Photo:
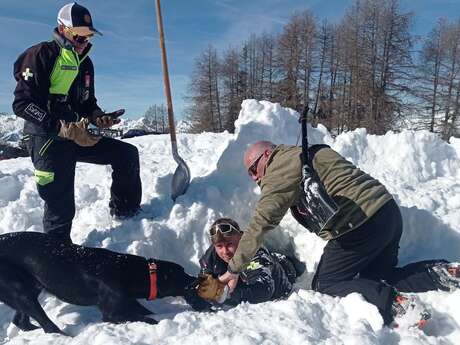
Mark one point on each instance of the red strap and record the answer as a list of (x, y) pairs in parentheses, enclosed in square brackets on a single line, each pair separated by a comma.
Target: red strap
[(153, 280)]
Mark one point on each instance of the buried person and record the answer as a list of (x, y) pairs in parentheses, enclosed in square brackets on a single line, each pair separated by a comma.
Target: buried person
[(267, 277)]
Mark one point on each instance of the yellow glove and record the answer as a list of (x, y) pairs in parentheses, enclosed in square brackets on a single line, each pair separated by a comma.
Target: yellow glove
[(77, 132), (211, 288)]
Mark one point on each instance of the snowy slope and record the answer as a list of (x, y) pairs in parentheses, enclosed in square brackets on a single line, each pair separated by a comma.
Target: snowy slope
[(419, 169), (11, 128)]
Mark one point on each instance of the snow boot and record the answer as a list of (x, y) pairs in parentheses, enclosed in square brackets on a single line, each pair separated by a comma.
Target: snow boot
[(447, 275), (409, 312)]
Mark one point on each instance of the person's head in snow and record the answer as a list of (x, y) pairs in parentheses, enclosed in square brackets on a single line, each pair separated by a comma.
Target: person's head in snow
[(225, 235), (55, 95), (269, 275), (363, 235)]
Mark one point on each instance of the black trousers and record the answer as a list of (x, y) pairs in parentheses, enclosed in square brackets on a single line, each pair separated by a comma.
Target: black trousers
[(364, 261), (55, 161)]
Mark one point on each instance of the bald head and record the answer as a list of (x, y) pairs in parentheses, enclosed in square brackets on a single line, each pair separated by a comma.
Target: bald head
[(256, 150), (256, 158)]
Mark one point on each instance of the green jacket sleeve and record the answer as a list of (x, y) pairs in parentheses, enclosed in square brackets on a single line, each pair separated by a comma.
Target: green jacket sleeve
[(280, 190)]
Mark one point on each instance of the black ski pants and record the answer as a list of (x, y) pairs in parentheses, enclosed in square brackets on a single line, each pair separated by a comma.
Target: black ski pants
[(55, 160), (364, 261)]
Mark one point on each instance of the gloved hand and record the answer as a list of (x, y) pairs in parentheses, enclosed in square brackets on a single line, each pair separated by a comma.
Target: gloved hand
[(106, 120), (60, 109), (77, 132), (212, 289)]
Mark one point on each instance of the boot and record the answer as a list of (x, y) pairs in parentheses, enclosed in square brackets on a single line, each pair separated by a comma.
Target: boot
[(447, 275), (409, 312)]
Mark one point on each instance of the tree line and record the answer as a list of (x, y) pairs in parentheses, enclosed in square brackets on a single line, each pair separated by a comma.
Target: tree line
[(366, 70), (155, 119)]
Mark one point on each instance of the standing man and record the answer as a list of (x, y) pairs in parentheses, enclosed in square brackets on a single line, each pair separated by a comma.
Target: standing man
[(55, 95), (363, 237)]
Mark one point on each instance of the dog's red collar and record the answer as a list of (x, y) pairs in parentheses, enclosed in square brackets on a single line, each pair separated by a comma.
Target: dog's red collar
[(153, 280)]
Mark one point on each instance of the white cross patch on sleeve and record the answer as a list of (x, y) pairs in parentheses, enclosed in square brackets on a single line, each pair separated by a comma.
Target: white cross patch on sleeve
[(27, 74)]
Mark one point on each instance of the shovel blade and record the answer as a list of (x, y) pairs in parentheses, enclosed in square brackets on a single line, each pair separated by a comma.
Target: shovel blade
[(180, 180)]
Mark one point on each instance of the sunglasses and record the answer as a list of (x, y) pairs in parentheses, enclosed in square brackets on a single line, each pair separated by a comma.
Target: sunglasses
[(252, 171), (224, 228), (76, 37)]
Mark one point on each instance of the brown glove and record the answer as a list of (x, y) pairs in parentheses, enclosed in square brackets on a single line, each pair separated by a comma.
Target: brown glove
[(211, 288), (77, 132), (106, 121)]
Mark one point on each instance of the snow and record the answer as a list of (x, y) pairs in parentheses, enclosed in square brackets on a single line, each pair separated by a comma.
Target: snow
[(418, 168), (10, 129)]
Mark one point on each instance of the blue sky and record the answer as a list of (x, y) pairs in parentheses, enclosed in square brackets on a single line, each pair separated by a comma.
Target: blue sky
[(127, 58)]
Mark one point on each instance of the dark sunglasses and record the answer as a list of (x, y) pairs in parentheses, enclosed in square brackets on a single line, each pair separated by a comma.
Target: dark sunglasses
[(252, 171), (224, 229), (77, 38)]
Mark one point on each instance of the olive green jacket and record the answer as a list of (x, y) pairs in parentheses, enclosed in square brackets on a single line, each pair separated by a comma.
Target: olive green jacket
[(357, 194)]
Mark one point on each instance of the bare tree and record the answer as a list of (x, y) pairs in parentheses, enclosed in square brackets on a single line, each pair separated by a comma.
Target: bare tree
[(432, 58), (356, 73), (288, 56), (154, 119), (203, 110)]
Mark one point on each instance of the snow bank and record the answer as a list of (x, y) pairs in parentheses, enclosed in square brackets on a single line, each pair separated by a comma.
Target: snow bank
[(11, 128), (419, 169)]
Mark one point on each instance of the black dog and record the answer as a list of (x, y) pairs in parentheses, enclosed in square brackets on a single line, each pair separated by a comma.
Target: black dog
[(32, 261)]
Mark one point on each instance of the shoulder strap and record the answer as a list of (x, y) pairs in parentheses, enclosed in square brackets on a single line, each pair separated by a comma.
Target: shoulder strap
[(303, 122)]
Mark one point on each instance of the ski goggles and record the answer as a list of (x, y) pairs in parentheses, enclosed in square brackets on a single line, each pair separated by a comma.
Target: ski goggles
[(76, 37), (225, 229)]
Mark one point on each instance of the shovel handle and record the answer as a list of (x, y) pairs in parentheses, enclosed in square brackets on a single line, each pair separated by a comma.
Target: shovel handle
[(167, 86)]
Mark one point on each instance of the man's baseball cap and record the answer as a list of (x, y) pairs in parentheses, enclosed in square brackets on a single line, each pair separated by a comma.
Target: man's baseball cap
[(78, 18)]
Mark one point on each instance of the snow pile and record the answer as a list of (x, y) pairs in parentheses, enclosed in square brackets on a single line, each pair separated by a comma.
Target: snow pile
[(11, 128), (127, 124), (421, 171)]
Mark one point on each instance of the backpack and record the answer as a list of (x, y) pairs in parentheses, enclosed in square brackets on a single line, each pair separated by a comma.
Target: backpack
[(315, 208)]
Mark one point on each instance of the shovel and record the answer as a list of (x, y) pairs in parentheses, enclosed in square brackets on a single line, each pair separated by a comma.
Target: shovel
[(181, 177)]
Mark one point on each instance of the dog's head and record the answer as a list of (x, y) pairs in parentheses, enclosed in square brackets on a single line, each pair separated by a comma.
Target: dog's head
[(171, 279)]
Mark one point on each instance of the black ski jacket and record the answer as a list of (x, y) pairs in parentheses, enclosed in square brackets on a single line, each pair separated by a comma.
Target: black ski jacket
[(264, 279), (44, 73)]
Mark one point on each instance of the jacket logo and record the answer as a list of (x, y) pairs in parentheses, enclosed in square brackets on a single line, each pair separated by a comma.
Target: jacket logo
[(87, 18), (35, 112), (68, 68), (27, 74), (253, 265)]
